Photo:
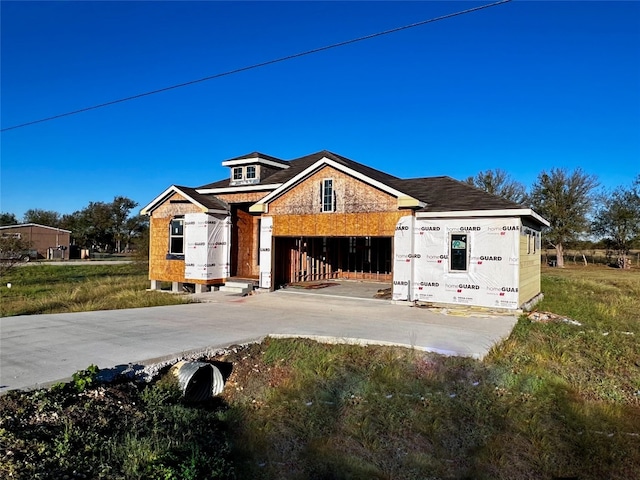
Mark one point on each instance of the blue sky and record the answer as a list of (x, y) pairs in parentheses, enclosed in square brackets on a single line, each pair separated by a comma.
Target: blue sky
[(525, 86)]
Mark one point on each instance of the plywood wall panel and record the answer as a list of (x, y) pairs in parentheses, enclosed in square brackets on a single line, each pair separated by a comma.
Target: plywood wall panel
[(351, 194)]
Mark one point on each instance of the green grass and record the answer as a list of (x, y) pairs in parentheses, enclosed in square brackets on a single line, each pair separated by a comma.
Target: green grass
[(554, 400), (44, 288)]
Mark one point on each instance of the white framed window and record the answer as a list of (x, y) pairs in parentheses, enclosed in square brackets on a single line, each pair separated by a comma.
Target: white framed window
[(327, 196), (237, 173), (458, 252), (176, 236), (250, 173)]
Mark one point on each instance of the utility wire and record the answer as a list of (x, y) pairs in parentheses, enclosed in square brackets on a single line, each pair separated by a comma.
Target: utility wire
[(258, 65)]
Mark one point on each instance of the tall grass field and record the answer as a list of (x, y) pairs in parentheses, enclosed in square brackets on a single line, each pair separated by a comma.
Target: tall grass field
[(558, 399), (41, 288)]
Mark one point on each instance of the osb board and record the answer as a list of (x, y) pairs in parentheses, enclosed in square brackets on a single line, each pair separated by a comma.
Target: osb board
[(159, 267), (247, 251), (529, 285), (168, 209), (374, 224), (242, 197), (352, 195)]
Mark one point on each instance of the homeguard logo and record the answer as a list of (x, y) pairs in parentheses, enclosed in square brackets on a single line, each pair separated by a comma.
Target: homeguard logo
[(436, 258), (199, 244), (502, 290), (403, 256), (189, 264), (462, 286), (401, 227), (210, 265), (217, 244), (464, 229), (429, 284), (414, 255), (511, 228), (428, 229), (265, 249), (401, 282), (484, 258), (192, 222)]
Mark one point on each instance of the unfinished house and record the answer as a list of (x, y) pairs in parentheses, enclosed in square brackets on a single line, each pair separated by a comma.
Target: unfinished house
[(324, 216)]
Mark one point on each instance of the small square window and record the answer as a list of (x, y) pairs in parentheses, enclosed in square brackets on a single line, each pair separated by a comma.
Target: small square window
[(237, 173), (251, 172)]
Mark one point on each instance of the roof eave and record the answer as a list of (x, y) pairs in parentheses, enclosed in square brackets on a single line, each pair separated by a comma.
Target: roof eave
[(506, 212)]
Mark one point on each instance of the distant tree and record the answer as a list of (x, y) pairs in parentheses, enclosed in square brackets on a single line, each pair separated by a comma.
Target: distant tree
[(565, 200), (7, 218), (48, 218), (105, 226), (13, 251), (121, 207), (135, 229), (498, 182), (617, 220)]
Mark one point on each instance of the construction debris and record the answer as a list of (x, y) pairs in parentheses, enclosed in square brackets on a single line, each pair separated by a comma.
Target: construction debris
[(546, 317)]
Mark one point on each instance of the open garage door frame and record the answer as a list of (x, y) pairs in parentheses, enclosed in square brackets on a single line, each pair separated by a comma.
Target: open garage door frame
[(306, 259)]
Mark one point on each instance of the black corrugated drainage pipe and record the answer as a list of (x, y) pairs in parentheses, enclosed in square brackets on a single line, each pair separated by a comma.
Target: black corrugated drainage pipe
[(198, 381)]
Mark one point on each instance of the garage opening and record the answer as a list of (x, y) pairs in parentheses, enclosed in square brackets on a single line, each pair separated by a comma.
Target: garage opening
[(306, 259)]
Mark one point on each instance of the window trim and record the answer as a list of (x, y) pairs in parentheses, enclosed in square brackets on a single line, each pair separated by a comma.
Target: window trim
[(254, 171), (323, 188), (466, 250), (237, 173)]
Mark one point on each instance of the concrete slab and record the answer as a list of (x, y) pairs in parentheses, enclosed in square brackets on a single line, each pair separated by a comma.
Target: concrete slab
[(40, 349)]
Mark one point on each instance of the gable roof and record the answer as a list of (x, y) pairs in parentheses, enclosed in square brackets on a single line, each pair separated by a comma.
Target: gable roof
[(297, 166), (208, 203), (305, 166)]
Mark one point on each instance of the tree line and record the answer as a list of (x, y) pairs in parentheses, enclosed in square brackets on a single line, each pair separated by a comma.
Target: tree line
[(574, 207), (100, 226)]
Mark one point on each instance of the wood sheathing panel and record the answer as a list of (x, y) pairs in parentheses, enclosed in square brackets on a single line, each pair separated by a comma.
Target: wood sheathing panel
[(243, 197), (159, 267), (360, 209), (245, 235), (529, 285)]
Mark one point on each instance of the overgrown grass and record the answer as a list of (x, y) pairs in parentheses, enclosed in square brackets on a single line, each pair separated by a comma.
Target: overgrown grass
[(56, 289), (554, 400)]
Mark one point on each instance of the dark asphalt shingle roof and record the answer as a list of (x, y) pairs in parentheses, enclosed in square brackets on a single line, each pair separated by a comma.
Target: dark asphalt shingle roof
[(445, 194), (260, 155), (300, 164), (208, 201)]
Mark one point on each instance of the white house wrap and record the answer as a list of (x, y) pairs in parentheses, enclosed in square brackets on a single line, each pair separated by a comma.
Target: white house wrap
[(471, 261), (207, 239), (266, 228), (403, 259)]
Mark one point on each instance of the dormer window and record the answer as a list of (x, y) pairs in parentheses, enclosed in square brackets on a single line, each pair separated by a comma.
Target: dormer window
[(244, 175)]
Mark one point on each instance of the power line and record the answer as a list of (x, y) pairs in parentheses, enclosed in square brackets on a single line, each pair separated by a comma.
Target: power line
[(258, 65)]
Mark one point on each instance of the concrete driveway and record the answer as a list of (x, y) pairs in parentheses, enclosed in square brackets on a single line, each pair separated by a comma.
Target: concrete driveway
[(40, 349)]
